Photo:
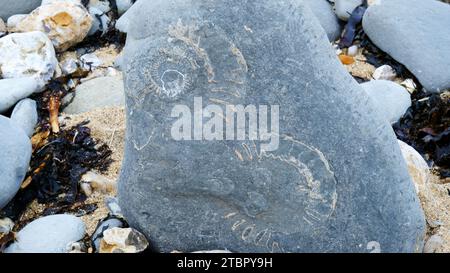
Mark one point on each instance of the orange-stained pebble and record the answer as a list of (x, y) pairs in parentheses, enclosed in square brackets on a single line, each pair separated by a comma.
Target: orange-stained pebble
[(346, 59)]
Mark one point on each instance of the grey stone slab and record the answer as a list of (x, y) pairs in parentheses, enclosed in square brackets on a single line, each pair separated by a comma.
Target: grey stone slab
[(96, 93), (50, 234), (416, 33), (15, 154), (12, 7), (327, 18), (336, 183)]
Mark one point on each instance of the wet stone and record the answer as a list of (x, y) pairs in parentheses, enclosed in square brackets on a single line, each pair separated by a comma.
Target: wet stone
[(15, 154), (333, 179), (50, 234), (421, 45), (328, 20), (12, 7)]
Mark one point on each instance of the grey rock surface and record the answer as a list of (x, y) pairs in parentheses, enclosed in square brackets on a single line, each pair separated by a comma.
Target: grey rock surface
[(12, 7), (323, 11), (417, 36), (13, 90), (15, 154), (50, 234), (336, 183), (212, 252), (96, 93), (391, 99), (344, 8), (25, 115)]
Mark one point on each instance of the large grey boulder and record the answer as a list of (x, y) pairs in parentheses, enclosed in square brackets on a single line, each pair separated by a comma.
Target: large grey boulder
[(336, 183), (417, 34), (327, 18), (15, 154), (50, 234), (12, 7)]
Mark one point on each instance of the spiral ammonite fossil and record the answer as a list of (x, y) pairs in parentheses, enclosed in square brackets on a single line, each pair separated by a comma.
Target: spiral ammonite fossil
[(182, 61), (252, 209), (302, 171)]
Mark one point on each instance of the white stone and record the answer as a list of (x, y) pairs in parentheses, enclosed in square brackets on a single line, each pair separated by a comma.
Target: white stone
[(344, 8), (72, 83), (433, 244), (86, 189), (58, 72), (92, 181), (6, 225), (3, 29), (76, 247), (69, 63), (102, 72), (25, 116), (47, 2), (123, 5), (50, 234), (417, 166), (69, 66), (14, 20), (65, 23), (90, 61), (100, 23), (410, 85), (102, 5), (384, 72), (391, 99), (113, 206), (337, 49), (110, 222), (352, 51), (28, 54), (122, 240), (13, 90)]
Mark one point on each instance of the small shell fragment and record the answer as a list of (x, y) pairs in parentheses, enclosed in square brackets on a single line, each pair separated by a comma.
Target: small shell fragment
[(410, 85)]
